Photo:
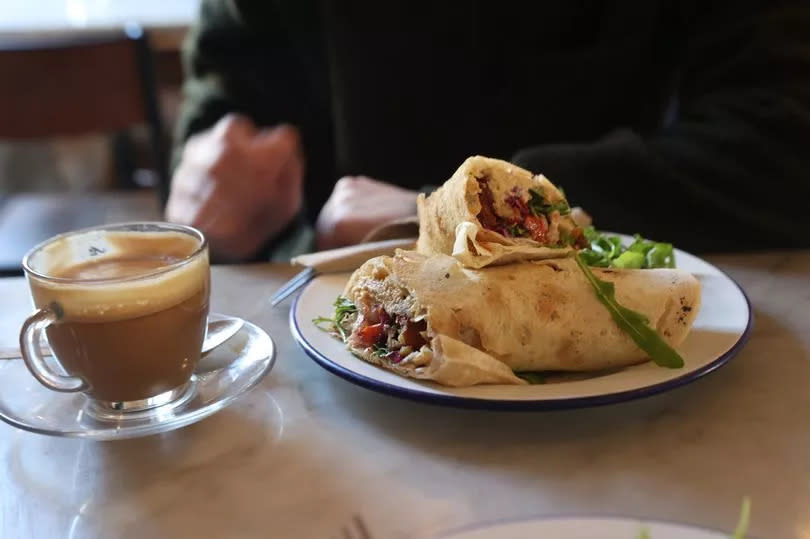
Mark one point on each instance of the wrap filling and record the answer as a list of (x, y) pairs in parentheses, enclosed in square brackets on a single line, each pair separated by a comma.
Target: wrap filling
[(533, 216), (395, 339)]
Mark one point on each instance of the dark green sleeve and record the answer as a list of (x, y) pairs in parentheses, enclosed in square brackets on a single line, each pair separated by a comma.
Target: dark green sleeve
[(731, 170), (238, 57)]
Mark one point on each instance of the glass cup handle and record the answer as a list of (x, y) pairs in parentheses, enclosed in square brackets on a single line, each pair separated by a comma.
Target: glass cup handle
[(30, 335)]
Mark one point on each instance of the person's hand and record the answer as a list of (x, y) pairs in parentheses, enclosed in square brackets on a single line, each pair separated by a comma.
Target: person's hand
[(238, 185), (356, 206)]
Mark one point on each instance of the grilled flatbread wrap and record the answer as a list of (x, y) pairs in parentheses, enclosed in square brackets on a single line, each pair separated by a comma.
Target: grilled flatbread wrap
[(493, 212), (430, 318)]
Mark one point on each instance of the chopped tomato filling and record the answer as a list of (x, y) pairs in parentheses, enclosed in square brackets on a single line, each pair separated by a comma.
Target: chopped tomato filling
[(487, 216), (524, 223), (371, 334), (537, 227), (387, 335)]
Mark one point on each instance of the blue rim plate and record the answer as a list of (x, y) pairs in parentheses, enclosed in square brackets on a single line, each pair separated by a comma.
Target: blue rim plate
[(720, 331)]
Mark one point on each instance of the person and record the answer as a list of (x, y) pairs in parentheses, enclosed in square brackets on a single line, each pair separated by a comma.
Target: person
[(686, 121)]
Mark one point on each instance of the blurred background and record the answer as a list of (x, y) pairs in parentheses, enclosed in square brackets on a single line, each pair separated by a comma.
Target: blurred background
[(89, 94)]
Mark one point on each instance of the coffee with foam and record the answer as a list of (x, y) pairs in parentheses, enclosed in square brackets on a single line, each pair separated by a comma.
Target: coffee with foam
[(132, 308)]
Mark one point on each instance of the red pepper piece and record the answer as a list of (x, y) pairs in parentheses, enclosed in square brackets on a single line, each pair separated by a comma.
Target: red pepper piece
[(537, 227), (371, 334)]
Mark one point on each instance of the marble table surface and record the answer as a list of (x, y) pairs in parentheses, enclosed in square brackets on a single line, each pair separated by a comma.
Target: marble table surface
[(305, 450)]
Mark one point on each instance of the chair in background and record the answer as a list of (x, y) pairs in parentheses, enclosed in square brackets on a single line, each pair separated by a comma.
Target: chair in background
[(104, 84)]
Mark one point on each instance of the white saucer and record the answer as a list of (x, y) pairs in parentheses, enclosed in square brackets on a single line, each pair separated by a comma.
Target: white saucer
[(222, 375)]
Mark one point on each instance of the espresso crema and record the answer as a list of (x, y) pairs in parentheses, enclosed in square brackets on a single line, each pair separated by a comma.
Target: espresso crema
[(133, 309)]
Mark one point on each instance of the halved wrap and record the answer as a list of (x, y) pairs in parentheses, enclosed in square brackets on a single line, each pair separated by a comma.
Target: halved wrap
[(493, 212), (430, 318)]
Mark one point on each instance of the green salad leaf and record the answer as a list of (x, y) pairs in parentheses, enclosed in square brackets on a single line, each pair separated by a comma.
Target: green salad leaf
[(318, 320), (608, 252), (631, 322), (343, 307), (742, 523), (381, 350), (629, 260)]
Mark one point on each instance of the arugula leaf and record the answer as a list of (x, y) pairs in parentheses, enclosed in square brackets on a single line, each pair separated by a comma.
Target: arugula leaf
[(631, 322), (538, 205), (742, 523), (318, 320), (343, 307), (590, 233), (532, 377), (516, 230), (592, 258), (381, 350), (561, 206), (333, 326), (536, 201)]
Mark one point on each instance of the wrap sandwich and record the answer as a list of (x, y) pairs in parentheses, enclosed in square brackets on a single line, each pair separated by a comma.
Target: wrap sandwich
[(493, 212), (428, 317)]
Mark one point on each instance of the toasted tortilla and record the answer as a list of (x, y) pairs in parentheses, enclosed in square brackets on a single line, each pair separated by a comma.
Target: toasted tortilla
[(485, 325), (456, 203)]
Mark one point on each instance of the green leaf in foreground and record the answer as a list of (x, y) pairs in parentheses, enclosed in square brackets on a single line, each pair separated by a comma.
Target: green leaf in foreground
[(631, 322), (742, 524)]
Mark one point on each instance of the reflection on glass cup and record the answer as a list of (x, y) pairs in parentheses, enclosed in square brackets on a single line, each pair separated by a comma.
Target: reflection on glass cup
[(124, 308)]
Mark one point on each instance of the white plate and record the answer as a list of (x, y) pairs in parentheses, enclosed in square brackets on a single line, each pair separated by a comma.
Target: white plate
[(720, 330), (584, 528)]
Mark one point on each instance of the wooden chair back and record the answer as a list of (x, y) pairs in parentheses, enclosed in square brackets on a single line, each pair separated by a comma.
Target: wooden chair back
[(63, 87)]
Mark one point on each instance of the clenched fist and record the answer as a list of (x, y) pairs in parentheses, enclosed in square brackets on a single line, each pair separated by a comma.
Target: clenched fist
[(239, 185)]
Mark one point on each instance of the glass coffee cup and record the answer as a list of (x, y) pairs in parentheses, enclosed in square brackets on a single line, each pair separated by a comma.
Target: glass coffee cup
[(124, 308)]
